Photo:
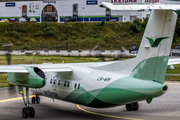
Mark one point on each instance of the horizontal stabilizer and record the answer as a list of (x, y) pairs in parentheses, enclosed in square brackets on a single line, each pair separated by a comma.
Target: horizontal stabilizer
[(173, 61), (140, 7)]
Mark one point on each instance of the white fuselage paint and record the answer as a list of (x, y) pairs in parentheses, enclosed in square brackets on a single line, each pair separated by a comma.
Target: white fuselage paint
[(87, 77)]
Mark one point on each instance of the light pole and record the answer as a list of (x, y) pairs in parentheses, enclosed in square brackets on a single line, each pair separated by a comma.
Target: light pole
[(83, 14)]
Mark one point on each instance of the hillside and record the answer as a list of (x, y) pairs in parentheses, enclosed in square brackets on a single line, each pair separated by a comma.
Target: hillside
[(25, 36)]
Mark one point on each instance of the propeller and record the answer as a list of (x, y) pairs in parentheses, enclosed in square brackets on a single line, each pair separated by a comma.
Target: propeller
[(8, 49)]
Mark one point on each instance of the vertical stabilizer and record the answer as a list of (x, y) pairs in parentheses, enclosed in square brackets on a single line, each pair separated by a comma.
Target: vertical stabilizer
[(151, 61)]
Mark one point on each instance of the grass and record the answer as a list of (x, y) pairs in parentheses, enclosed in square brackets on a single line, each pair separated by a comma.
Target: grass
[(176, 70), (3, 81), (172, 78)]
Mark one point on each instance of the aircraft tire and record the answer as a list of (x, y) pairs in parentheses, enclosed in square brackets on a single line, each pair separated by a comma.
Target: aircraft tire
[(33, 99), (37, 99), (25, 112), (135, 106), (129, 107), (31, 112)]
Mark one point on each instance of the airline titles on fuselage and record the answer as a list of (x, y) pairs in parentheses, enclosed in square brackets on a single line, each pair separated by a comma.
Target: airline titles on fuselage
[(105, 79)]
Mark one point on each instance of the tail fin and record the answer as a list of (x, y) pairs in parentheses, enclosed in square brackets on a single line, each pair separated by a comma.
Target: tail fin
[(151, 61)]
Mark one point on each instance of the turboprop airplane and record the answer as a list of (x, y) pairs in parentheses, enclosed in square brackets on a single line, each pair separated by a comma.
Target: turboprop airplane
[(105, 84)]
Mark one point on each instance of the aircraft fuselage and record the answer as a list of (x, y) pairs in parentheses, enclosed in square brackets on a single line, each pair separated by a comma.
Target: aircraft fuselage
[(97, 88)]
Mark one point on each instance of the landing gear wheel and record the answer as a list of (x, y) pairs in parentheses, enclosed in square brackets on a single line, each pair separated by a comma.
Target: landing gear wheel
[(135, 106), (28, 111), (37, 99), (31, 112), (129, 107), (33, 99), (25, 112)]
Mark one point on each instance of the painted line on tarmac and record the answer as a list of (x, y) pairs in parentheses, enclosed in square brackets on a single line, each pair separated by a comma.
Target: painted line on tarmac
[(172, 83), (111, 116), (12, 99)]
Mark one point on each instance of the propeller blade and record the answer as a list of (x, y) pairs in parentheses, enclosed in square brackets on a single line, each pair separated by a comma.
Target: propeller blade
[(8, 48)]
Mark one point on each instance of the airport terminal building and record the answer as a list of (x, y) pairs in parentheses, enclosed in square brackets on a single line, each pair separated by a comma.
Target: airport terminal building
[(81, 10)]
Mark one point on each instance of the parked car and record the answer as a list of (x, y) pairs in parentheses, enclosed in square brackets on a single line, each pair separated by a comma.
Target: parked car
[(12, 19), (113, 20), (69, 19), (177, 47), (133, 53), (32, 20), (29, 53), (175, 52), (134, 48), (21, 20), (4, 20)]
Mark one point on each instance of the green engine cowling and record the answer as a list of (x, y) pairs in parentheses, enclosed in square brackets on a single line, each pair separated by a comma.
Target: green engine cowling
[(34, 79)]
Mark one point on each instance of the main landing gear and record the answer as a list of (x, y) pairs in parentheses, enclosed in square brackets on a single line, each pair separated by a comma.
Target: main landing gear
[(27, 111), (132, 106), (35, 99)]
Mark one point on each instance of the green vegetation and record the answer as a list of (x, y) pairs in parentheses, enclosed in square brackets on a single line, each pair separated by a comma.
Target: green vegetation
[(46, 59), (172, 78), (3, 81), (25, 36), (176, 70)]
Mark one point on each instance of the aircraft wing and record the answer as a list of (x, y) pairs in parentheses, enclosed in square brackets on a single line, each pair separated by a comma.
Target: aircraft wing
[(22, 69), (55, 69), (140, 7), (12, 68)]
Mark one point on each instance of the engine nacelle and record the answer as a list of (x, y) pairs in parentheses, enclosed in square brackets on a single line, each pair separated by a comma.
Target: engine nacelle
[(34, 79)]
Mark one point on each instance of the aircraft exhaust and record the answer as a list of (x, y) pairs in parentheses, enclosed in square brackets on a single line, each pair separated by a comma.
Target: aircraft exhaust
[(165, 88)]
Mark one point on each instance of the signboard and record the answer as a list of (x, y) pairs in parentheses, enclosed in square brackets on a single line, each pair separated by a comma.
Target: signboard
[(91, 2), (10, 4), (133, 17)]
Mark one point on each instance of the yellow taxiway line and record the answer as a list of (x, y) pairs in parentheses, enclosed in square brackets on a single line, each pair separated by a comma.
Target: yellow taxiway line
[(111, 116), (12, 99)]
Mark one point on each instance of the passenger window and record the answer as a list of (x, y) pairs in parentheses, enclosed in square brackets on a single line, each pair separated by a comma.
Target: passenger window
[(51, 81), (65, 84), (68, 84), (78, 86), (75, 85), (59, 83)]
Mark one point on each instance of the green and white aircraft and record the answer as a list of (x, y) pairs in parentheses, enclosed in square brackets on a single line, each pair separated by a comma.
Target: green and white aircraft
[(105, 84)]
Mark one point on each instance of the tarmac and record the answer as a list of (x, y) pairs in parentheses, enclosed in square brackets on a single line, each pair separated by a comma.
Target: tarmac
[(166, 107)]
